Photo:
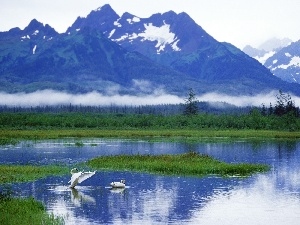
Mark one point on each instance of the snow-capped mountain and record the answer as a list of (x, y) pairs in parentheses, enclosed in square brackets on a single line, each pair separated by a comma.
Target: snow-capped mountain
[(80, 62), (34, 30), (16, 43), (160, 33), (285, 64), (106, 52), (176, 41), (267, 49), (280, 56)]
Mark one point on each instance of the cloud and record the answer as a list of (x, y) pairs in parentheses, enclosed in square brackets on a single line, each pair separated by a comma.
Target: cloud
[(243, 100), (51, 97)]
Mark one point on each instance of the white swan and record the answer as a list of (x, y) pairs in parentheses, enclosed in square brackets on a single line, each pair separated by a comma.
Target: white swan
[(120, 184), (79, 176)]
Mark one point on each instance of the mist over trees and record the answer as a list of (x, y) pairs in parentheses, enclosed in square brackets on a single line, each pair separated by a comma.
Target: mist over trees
[(284, 115), (284, 106), (191, 104)]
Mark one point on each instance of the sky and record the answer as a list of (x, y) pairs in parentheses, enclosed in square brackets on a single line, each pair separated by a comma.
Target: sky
[(239, 22)]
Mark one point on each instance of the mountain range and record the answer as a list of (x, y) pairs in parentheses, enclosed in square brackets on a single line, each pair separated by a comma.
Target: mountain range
[(126, 54), (280, 56)]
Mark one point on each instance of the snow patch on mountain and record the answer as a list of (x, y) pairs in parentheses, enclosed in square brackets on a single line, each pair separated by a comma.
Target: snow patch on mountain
[(133, 20), (116, 23), (288, 54), (263, 59), (35, 32), (34, 49), (162, 35), (111, 33), (25, 37), (123, 37), (294, 62)]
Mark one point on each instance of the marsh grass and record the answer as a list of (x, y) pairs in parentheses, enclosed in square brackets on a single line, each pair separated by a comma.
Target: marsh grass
[(79, 144), (24, 211), (8, 141), (191, 163), (13, 136), (24, 173)]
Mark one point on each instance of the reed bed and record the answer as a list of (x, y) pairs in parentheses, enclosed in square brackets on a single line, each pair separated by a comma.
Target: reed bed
[(192, 163), (24, 211), (11, 136), (24, 173)]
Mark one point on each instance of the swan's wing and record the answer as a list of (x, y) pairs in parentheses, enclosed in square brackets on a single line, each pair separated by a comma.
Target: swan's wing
[(74, 177), (85, 175)]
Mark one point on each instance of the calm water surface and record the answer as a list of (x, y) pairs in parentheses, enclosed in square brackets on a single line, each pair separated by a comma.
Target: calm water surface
[(270, 198)]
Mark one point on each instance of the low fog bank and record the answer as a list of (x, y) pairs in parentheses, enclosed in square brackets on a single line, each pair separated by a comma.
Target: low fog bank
[(52, 98), (243, 100)]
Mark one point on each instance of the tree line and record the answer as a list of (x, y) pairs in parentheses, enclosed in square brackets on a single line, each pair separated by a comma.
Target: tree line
[(284, 115)]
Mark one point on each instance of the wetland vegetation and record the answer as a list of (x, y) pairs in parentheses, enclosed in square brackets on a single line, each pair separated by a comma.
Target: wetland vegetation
[(24, 211), (15, 210), (281, 122), (188, 164), (24, 173), (37, 126)]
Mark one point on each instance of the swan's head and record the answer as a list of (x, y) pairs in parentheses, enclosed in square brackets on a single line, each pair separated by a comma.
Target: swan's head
[(74, 170), (123, 181)]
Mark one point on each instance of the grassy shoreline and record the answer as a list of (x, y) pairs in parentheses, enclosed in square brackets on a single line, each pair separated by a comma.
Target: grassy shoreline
[(11, 135), (14, 210), (24, 173), (24, 211)]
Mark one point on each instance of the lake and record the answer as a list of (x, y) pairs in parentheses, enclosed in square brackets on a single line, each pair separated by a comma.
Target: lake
[(267, 198)]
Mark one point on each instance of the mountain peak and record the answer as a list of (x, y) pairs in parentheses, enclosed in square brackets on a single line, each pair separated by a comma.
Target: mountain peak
[(275, 43), (104, 12), (105, 8), (34, 25), (127, 15), (170, 13), (102, 17)]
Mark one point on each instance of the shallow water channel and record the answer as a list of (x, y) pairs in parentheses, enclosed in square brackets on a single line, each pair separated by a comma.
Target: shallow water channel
[(268, 198)]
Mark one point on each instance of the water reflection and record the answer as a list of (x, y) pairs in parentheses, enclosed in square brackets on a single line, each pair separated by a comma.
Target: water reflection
[(261, 203), (271, 198)]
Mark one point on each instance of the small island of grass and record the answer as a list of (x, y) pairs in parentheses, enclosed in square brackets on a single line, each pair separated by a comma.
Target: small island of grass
[(191, 163)]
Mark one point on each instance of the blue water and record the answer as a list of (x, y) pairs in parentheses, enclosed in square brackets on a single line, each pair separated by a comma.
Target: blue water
[(268, 198)]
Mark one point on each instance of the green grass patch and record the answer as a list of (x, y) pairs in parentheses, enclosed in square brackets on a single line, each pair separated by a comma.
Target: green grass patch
[(24, 211), (192, 163), (11, 136), (8, 141), (24, 173)]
